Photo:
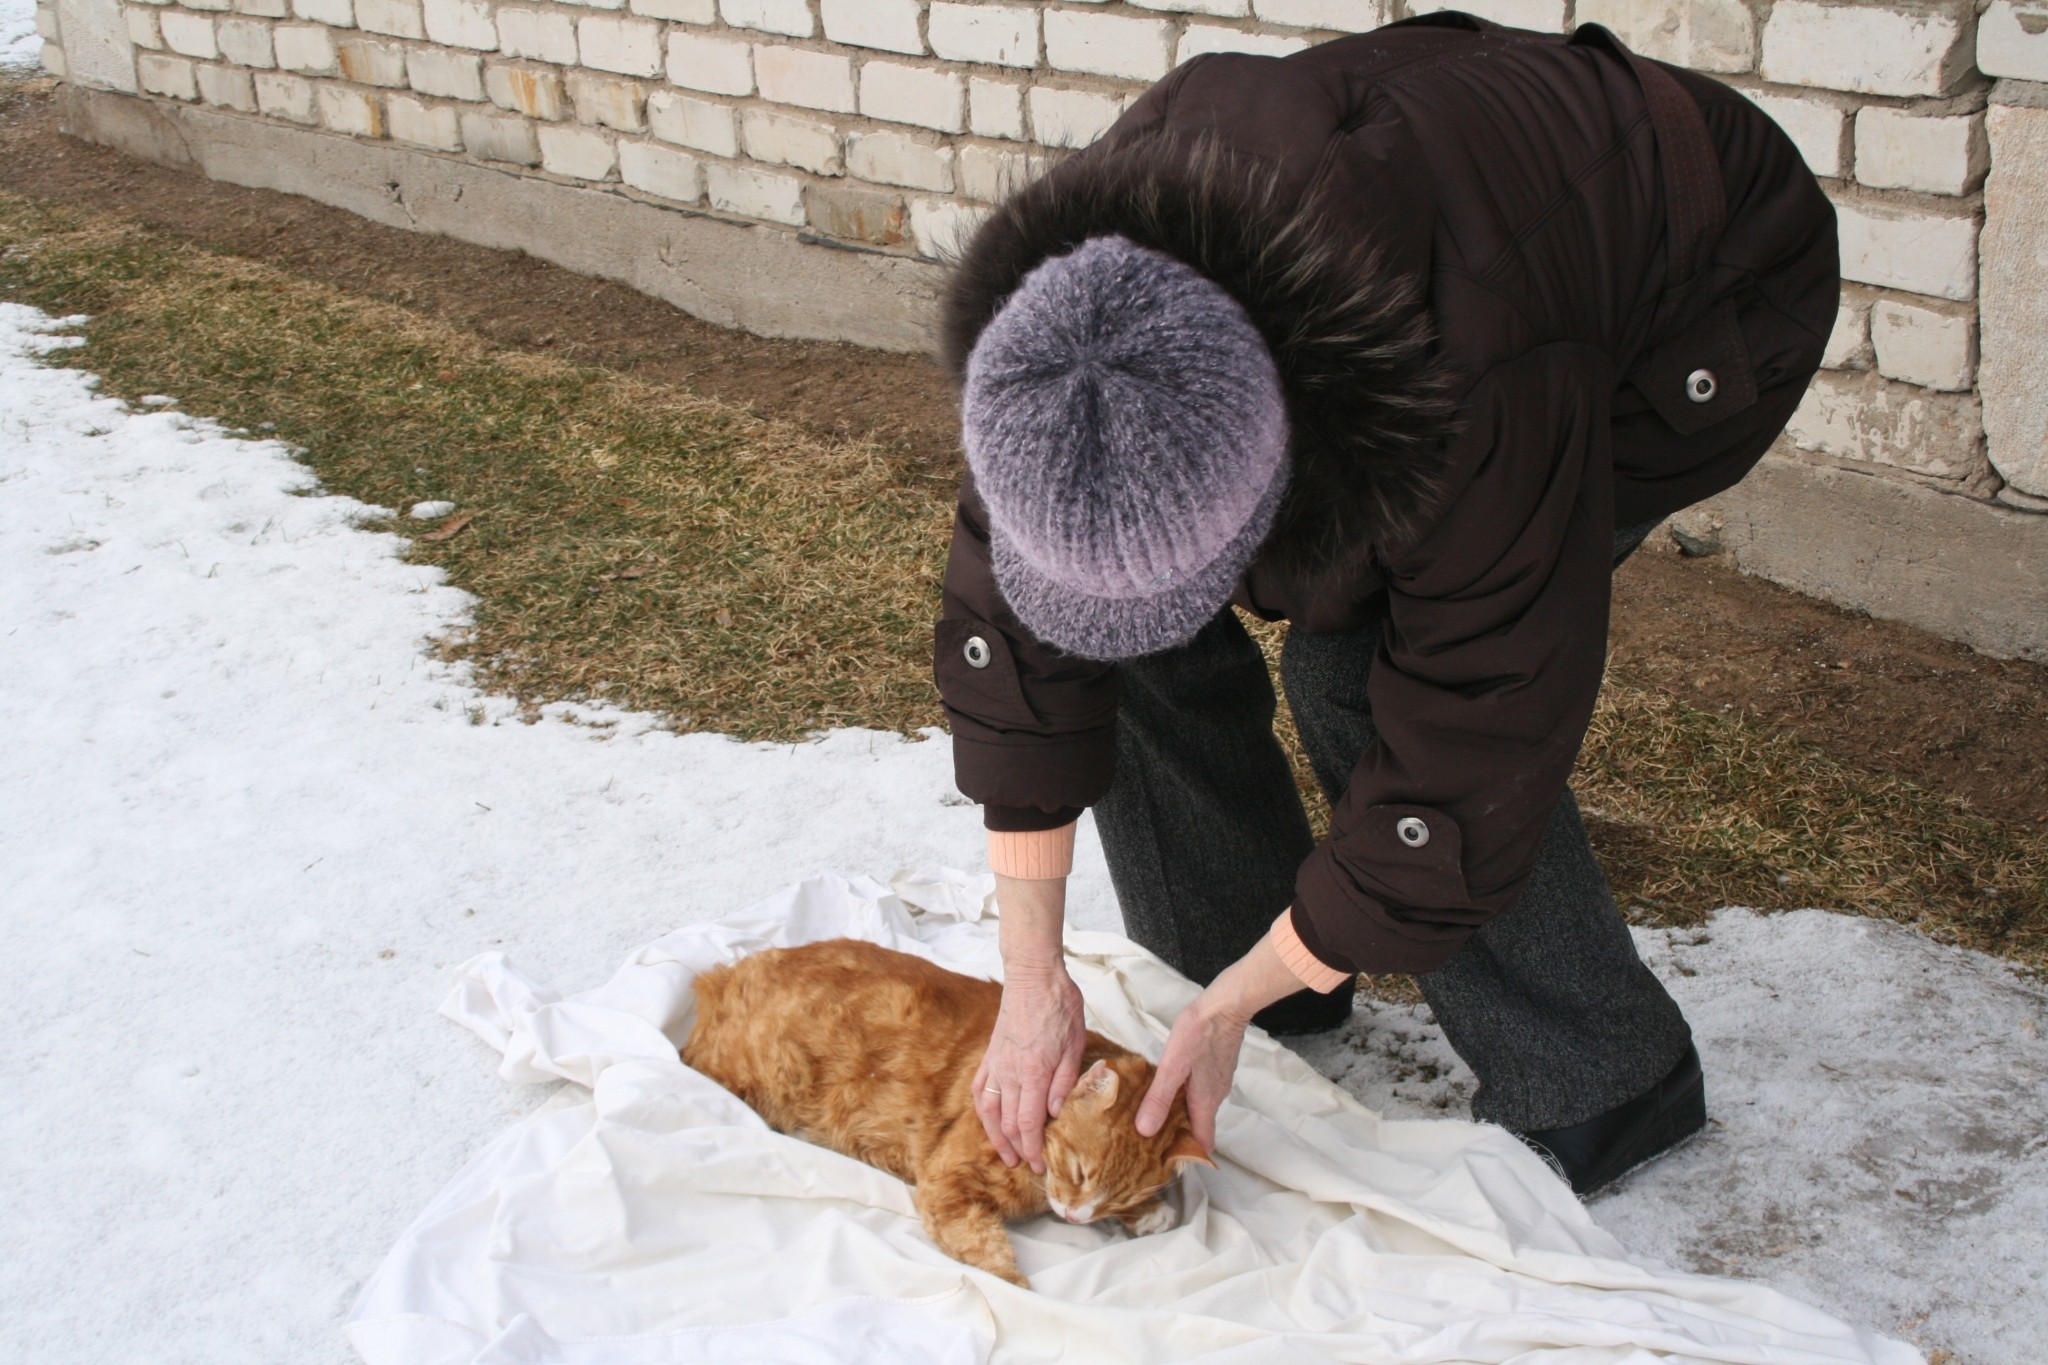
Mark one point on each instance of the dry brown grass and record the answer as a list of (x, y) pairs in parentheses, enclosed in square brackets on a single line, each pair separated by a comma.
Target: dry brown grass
[(674, 554)]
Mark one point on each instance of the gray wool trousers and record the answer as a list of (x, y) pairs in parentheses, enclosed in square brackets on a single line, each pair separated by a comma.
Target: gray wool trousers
[(1204, 831)]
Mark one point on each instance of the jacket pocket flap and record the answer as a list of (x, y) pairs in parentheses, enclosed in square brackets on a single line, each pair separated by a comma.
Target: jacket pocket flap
[(1410, 856), (977, 674), (1702, 376)]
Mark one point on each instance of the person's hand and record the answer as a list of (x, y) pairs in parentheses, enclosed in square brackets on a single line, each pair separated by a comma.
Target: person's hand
[(1033, 1060), (1201, 1052)]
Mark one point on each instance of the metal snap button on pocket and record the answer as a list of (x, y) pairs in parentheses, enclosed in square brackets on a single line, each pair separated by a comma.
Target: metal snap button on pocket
[(977, 652), (1701, 386), (1412, 831)]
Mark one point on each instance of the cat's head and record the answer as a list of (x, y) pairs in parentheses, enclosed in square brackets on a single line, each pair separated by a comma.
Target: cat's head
[(1097, 1164)]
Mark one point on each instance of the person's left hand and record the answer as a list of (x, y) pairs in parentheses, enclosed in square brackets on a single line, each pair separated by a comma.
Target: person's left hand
[(1201, 1054)]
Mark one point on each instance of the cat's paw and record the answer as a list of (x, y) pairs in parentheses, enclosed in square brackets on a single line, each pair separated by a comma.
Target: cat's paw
[(1159, 1218)]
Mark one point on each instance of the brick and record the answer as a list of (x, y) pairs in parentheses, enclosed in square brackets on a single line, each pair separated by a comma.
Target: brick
[(1818, 129), (142, 29), (333, 13), (499, 137), (893, 159), (544, 35), (1848, 345), (206, 4), (688, 122), (398, 18), (1706, 35), (998, 35), (349, 111), (609, 101), (788, 141), (285, 97), (1223, 9), (1933, 347), (856, 215), (991, 174), (462, 23), (307, 49), (262, 9), (659, 170), (54, 61), (530, 90), (755, 194), (890, 25), (713, 65), (189, 35), (941, 227), (2012, 40), (995, 108), (1071, 118), (897, 93), (631, 47), (1345, 16), (578, 153), (680, 11), (792, 17), (371, 61), (1861, 417), (1107, 44), (1901, 151), (437, 71), (1870, 49), (1201, 39), (433, 126), (1546, 16), (815, 80), (228, 88), (173, 77), (2016, 297), (1923, 253)]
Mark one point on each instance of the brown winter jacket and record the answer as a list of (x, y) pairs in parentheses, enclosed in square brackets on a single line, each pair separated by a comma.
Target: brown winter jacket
[(1489, 264)]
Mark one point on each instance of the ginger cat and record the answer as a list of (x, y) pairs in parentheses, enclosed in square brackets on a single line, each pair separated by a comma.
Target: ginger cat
[(873, 1052)]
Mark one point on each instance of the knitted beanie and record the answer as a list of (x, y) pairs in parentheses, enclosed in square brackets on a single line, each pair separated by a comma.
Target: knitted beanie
[(1127, 432)]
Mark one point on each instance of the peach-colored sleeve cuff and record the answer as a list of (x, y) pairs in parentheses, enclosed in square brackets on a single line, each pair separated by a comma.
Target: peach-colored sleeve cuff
[(1033, 854), (1313, 971)]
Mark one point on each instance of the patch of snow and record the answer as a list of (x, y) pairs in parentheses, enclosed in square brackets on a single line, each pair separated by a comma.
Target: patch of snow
[(21, 48), (248, 825), (430, 511)]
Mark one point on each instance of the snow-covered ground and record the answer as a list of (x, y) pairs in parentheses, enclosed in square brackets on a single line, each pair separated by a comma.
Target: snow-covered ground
[(247, 827), (20, 48)]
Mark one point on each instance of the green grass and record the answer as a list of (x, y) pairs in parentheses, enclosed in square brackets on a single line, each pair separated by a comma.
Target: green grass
[(666, 552)]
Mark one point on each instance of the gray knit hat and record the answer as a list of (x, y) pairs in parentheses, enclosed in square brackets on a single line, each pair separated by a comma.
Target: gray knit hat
[(1128, 435)]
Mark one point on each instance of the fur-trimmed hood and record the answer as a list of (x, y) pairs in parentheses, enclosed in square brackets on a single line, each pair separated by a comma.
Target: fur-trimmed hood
[(1367, 401)]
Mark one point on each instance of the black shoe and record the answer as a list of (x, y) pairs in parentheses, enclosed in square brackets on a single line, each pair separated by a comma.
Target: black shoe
[(1608, 1146), (1305, 1012)]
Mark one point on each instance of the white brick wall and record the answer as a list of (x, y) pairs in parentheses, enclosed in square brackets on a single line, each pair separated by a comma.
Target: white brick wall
[(896, 123), (914, 94), (1877, 49), (717, 66), (999, 35), (890, 25), (1903, 248), (1897, 149), (545, 35), (1108, 44)]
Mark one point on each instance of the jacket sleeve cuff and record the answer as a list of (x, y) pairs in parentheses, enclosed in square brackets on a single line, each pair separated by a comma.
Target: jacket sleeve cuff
[(1015, 819), (1035, 855), (1314, 973)]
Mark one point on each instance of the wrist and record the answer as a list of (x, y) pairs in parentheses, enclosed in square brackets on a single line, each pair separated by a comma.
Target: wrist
[(1251, 983)]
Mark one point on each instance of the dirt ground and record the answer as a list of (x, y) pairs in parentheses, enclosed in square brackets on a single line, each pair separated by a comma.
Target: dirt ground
[(1883, 696)]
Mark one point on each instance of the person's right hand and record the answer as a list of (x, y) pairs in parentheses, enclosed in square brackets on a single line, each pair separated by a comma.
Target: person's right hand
[(1032, 1062)]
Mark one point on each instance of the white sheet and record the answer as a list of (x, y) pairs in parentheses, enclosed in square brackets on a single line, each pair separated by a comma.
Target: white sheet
[(659, 1220)]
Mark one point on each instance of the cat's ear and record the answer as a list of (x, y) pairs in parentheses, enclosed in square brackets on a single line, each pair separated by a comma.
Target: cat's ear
[(1097, 1086), (1184, 1150)]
